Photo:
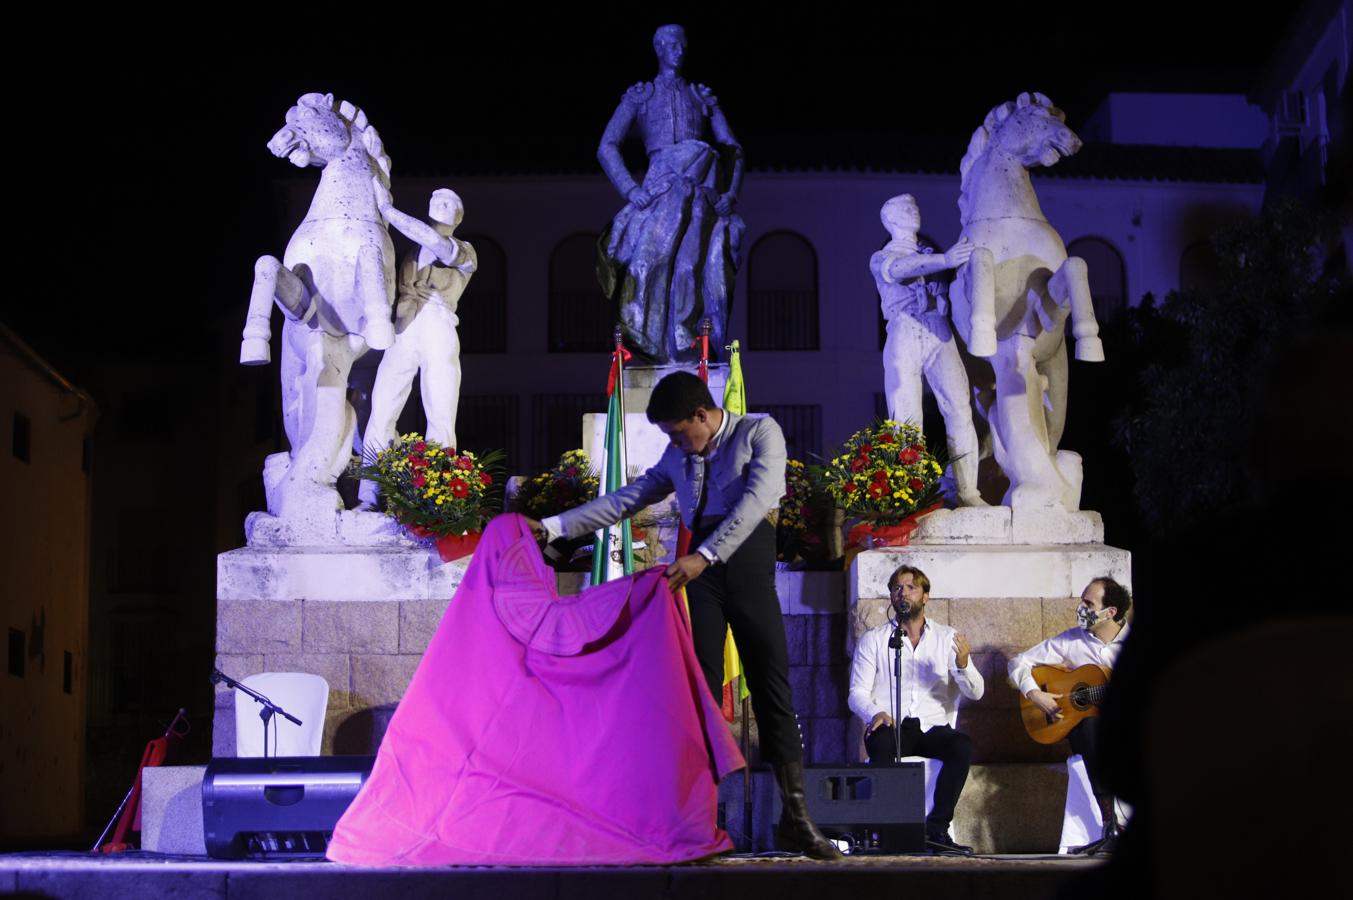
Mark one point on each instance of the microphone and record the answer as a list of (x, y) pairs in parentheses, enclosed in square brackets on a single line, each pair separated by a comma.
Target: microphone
[(217, 676)]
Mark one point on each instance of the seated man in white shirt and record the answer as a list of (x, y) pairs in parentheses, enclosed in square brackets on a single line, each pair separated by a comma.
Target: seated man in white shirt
[(936, 666), (1097, 640)]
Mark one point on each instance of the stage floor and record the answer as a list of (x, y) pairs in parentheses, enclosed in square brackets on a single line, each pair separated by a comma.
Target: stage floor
[(138, 875)]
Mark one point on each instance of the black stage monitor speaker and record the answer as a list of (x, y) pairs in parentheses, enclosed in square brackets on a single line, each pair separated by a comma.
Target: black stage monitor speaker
[(278, 807), (877, 809)]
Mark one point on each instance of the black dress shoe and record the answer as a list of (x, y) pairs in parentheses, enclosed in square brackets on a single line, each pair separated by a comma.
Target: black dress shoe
[(1104, 845), (941, 842)]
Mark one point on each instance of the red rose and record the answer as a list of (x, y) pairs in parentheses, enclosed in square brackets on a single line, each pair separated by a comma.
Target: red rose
[(877, 489), (419, 447), (485, 478), (879, 475), (886, 439), (418, 462), (418, 479), (909, 456), (849, 488), (459, 488), (571, 471), (857, 464), (465, 463), (866, 449), (916, 484)]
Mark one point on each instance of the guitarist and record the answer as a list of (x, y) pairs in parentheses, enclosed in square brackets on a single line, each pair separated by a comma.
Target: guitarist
[(1101, 628)]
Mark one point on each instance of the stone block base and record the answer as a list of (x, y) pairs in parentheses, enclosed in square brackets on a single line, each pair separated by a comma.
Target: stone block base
[(171, 810)]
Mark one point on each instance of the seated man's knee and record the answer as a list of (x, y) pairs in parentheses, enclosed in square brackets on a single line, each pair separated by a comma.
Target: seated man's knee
[(960, 750)]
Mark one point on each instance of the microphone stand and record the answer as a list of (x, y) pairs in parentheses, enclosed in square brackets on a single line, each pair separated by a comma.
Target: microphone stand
[(266, 713), (895, 643)]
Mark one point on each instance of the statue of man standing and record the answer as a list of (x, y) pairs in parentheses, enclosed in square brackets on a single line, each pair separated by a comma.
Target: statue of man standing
[(920, 339), (432, 276), (669, 256)]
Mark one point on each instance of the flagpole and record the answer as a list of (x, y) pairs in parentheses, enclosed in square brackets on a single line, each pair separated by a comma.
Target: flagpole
[(622, 451)]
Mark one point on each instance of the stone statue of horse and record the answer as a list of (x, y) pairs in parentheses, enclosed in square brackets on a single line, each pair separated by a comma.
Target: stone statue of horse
[(1012, 299), (335, 287)]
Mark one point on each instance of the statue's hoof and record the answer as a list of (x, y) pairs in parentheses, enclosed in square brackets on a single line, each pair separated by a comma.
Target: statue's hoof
[(380, 335), (982, 344), (1090, 350), (255, 352), (971, 499)]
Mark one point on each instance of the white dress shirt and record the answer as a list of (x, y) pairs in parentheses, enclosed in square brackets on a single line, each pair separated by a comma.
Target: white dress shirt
[(1071, 649), (931, 678)]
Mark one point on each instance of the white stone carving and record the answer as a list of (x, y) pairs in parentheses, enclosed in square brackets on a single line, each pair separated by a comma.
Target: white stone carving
[(431, 278), (920, 340), (335, 287), (1011, 300)]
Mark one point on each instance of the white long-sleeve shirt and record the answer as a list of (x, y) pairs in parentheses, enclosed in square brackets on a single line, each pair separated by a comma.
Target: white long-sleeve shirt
[(1071, 649), (931, 678)]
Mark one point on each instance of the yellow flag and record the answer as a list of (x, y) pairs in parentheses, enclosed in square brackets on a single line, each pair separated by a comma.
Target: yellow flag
[(734, 401)]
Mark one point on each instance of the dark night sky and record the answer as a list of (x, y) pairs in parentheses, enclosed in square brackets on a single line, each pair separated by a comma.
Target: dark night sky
[(145, 174)]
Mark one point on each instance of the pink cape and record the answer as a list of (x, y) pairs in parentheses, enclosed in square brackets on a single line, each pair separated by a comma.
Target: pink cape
[(545, 731)]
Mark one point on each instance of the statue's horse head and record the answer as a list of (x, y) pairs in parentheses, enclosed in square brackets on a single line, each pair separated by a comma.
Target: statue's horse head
[(319, 131), (1029, 129)]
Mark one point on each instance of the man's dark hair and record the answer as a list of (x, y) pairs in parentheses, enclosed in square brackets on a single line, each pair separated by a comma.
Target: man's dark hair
[(677, 397), (1115, 595)]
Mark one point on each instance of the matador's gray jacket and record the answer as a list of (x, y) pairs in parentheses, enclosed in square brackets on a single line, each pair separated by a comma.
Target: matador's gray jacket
[(748, 469)]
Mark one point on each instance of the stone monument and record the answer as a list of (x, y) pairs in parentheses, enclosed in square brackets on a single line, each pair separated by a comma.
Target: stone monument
[(920, 340), (335, 287), (1012, 299), (668, 257), (431, 278)]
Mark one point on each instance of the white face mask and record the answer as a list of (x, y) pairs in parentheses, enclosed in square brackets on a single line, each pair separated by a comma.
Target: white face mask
[(1089, 618)]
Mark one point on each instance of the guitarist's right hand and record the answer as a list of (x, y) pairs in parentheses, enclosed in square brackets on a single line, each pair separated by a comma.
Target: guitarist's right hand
[(1048, 703)]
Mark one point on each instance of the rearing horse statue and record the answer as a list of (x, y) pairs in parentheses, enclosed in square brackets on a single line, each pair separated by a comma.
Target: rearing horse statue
[(335, 287), (1011, 301)]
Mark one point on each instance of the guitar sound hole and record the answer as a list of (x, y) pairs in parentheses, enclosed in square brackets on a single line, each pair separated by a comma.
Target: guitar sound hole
[(1077, 694)]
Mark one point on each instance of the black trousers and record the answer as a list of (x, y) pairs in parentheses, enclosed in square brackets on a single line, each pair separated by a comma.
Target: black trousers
[(952, 748), (739, 593)]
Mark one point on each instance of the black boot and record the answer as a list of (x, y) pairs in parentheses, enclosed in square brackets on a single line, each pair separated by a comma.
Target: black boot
[(796, 832)]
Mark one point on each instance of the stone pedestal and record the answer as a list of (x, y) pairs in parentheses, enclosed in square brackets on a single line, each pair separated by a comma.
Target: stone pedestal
[(1007, 582), (171, 810), (639, 382)]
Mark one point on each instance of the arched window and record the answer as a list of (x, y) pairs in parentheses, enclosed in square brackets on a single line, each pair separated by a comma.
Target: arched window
[(1198, 267), (582, 320), (782, 293), (1108, 276), (922, 240), (483, 307)]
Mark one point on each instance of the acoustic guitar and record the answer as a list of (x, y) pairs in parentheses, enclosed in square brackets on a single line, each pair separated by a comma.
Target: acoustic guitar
[(1082, 692)]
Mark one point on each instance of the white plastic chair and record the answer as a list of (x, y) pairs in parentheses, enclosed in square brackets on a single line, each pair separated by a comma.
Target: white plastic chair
[(302, 694), (1081, 820)]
